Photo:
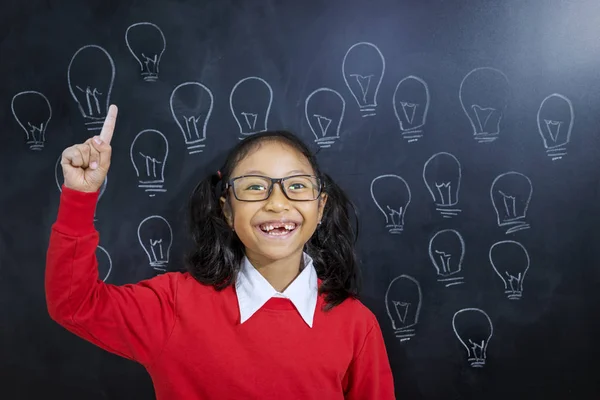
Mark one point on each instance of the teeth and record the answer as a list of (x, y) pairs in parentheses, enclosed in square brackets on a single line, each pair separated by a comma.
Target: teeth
[(269, 227)]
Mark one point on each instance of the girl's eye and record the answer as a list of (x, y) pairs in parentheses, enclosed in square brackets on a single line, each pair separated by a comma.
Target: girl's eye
[(255, 187), (296, 186)]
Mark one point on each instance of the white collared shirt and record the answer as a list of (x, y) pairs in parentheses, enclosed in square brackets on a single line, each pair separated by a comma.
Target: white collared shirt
[(253, 290)]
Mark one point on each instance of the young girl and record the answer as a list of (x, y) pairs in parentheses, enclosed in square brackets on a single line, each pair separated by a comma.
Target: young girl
[(268, 308)]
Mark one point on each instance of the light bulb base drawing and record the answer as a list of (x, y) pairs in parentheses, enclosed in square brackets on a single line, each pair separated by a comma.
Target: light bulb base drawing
[(403, 299), (556, 153), (363, 68), (404, 334), (159, 266), (476, 362), (395, 229), (149, 151), (250, 103), (513, 295), (32, 111), (411, 105)]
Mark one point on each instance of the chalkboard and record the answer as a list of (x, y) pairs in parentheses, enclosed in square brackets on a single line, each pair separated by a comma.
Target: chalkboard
[(466, 132)]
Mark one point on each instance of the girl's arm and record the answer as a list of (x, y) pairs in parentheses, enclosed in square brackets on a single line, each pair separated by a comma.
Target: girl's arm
[(370, 374), (134, 320)]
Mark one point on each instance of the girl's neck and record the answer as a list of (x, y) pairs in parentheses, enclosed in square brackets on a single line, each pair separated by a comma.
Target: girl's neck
[(279, 273)]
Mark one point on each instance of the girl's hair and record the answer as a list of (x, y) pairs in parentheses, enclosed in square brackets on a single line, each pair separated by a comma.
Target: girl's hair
[(218, 252)]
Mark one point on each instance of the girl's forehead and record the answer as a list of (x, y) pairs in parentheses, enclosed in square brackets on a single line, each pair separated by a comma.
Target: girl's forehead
[(273, 158)]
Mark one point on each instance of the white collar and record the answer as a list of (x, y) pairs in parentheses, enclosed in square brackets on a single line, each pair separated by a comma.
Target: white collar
[(253, 290)]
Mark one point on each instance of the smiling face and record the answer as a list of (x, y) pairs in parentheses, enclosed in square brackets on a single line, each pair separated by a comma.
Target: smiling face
[(275, 228)]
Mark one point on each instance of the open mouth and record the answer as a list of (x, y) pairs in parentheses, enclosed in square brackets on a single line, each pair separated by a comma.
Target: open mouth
[(278, 229)]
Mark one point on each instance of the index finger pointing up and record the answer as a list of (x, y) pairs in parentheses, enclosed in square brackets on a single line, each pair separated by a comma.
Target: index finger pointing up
[(109, 124)]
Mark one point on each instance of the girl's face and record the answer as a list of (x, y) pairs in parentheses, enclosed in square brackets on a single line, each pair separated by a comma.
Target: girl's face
[(255, 222)]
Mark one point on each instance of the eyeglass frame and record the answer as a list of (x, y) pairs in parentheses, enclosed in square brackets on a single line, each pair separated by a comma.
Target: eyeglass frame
[(230, 184)]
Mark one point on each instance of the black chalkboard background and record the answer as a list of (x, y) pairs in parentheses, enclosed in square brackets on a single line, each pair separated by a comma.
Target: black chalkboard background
[(543, 344)]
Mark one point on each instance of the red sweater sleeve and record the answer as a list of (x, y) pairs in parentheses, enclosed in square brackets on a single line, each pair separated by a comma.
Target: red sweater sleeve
[(370, 375), (133, 320)]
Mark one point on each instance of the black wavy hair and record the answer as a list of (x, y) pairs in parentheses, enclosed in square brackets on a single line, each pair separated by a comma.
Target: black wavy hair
[(217, 252)]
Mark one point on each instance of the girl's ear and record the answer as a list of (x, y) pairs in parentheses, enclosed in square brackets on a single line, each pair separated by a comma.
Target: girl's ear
[(226, 211), (322, 202)]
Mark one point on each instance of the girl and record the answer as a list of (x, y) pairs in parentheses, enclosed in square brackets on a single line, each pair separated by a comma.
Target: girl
[(268, 308)]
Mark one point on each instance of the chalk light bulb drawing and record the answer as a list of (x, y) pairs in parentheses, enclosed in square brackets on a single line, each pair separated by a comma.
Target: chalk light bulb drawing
[(442, 175), (510, 260), (484, 95), (149, 151), (191, 106), (411, 105), (555, 119), (33, 113), (104, 263), (250, 102), (511, 193), (391, 194), (147, 43), (447, 252), (324, 110), (60, 179), (363, 69), (403, 305), (91, 76), (156, 236), (474, 329)]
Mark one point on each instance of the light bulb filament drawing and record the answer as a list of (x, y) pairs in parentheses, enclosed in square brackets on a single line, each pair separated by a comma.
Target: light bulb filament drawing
[(555, 119), (442, 174), (510, 260), (32, 111), (147, 43), (447, 252), (91, 89), (363, 68), (93, 107), (156, 237), (250, 103), (401, 308), (411, 106), (149, 151), (191, 107), (511, 193), (403, 305), (324, 111), (474, 329), (391, 194)]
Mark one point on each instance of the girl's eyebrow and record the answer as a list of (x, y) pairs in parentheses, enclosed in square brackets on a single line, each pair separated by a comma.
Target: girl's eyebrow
[(258, 172)]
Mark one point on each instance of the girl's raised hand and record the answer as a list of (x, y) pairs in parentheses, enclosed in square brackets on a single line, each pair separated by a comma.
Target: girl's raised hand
[(85, 165)]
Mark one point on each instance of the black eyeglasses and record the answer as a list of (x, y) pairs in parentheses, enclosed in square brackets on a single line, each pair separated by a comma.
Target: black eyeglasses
[(259, 188)]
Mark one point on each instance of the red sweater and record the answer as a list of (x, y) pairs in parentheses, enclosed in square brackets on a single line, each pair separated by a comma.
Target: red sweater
[(188, 336)]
